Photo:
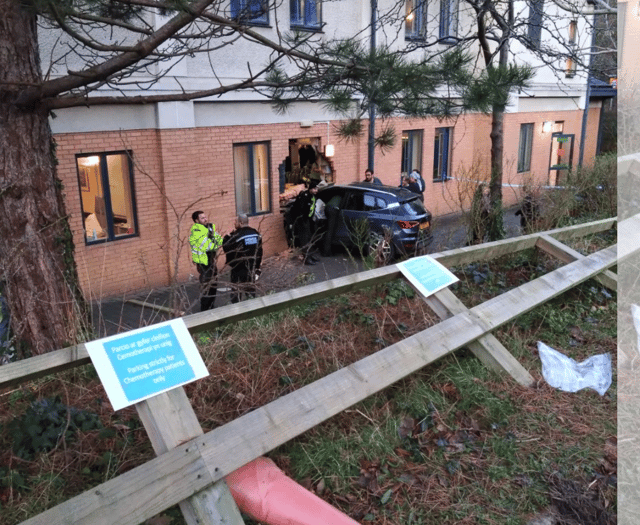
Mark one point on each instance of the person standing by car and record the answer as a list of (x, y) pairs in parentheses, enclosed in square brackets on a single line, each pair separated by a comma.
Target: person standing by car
[(204, 242), (410, 183), (368, 177), (416, 175), (243, 249), (303, 213)]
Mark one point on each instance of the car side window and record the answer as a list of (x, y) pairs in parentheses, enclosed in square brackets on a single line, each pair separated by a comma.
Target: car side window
[(371, 203)]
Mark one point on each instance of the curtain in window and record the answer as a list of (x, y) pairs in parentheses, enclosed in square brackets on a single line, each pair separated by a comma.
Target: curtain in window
[(448, 18), (311, 12), (255, 10), (524, 151), (242, 179), (305, 12), (415, 19), (261, 178)]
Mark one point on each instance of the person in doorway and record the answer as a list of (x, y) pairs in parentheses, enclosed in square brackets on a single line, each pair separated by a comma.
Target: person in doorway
[(204, 242), (368, 177), (303, 213), (243, 250)]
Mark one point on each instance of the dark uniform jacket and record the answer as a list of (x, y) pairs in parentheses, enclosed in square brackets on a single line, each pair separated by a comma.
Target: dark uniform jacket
[(243, 248)]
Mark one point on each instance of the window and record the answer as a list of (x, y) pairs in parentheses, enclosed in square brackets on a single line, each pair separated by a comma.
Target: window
[(411, 151), (251, 167), (106, 192), (524, 149), (306, 14), (416, 19), (254, 11), (571, 68), (448, 20), (442, 154), (534, 31)]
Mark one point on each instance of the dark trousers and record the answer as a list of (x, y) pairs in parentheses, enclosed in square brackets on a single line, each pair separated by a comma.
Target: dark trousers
[(304, 231), (208, 286), (242, 282)]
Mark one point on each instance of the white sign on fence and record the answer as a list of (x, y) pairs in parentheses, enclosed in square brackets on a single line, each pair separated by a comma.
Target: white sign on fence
[(426, 274), (145, 362)]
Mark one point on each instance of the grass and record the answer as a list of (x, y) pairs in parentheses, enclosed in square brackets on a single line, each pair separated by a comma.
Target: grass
[(452, 443)]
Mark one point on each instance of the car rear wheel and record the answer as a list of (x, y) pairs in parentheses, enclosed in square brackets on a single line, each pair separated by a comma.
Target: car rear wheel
[(380, 248)]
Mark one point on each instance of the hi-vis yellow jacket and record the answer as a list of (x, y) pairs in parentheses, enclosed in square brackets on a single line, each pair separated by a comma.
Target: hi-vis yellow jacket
[(203, 240)]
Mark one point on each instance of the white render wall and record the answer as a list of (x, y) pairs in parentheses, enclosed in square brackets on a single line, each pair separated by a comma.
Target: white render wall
[(550, 91)]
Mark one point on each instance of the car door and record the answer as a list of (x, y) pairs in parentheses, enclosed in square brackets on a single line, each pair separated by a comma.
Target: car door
[(361, 213)]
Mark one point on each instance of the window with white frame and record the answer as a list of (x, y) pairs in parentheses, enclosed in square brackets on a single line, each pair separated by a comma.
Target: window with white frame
[(306, 14), (105, 181), (442, 154), (251, 168), (534, 27), (525, 147), (415, 25), (448, 20), (252, 11)]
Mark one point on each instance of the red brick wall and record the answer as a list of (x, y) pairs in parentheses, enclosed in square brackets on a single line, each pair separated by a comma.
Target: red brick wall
[(193, 168)]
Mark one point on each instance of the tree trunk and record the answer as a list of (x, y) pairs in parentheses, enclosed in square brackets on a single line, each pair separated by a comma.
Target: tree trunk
[(36, 248), (495, 227)]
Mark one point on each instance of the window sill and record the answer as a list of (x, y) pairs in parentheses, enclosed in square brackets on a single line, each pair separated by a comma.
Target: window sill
[(254, 24), (310, 29), (441, 180), (448, 40)]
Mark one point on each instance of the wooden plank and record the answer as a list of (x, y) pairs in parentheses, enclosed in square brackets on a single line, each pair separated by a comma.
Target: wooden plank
[(170, 421), (136, 495), (487, 348), (15, 373), (566, 254), (491, 250), (230, 446), (263, 429)]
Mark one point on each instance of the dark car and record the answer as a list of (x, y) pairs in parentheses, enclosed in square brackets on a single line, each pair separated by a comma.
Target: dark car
[(392, 221)]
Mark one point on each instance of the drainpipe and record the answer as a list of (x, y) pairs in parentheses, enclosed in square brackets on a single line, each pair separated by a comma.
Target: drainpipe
[(585, 115), (372, 108)]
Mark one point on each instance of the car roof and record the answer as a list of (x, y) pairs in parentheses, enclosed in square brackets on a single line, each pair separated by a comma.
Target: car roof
[(401, 194)]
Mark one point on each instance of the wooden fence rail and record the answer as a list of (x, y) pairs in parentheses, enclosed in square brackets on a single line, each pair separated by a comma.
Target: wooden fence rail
[(53, 362), (182, 472)]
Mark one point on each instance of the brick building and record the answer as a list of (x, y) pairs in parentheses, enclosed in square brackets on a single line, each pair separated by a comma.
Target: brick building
[(134, 174)]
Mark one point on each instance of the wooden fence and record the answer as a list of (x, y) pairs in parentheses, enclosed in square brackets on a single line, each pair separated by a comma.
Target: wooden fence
[(191, 465)]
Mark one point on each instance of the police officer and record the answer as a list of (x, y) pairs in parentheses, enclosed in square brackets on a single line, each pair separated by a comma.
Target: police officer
[(205, 241), (243, 248), (303, 212)]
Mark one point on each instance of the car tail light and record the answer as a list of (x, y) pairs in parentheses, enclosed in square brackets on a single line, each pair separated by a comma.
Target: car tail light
[(406, 225)]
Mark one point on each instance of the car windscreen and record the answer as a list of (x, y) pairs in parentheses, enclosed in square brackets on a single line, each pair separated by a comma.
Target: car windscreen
[(413, 207)]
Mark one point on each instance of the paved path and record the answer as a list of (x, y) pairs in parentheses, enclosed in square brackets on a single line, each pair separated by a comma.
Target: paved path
[(280, 272)]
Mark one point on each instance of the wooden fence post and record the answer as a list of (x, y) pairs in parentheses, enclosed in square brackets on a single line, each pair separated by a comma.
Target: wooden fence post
[(486, 348), (170, 421)]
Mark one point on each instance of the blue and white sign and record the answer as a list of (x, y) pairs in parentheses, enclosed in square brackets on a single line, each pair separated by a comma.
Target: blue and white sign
[(145, 362), (426, 274)]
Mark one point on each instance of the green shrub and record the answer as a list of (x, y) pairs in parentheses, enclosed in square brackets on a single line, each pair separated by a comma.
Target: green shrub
[(45, 423)]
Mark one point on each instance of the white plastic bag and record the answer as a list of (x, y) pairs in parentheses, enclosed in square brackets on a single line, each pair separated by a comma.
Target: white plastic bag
[(566, 374)]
